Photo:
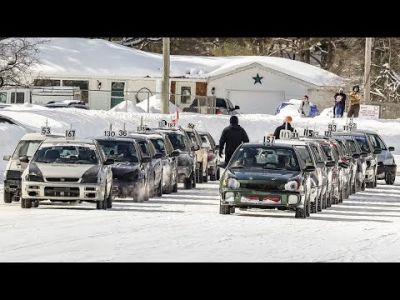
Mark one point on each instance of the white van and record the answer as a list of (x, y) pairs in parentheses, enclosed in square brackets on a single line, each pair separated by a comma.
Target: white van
[(26, 147)]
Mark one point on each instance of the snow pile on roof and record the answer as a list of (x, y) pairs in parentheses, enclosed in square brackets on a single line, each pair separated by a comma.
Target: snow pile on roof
[(99, 58), (25, 106), (132, 107), (155, 105)]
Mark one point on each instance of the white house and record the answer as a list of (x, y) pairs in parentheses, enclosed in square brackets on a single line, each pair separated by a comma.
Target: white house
[(108, 73)]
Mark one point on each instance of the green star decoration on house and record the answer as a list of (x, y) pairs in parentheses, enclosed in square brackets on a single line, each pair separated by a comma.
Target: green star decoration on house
[(257, 79)]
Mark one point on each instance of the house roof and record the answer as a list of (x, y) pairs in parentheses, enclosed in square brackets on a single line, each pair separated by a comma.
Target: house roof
[(82, 57)]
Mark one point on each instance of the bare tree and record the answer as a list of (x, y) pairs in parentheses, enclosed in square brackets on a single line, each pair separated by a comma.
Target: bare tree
[(17, 55)]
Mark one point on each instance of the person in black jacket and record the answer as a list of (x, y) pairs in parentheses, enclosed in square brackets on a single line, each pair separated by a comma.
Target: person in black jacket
[(286, 125), (232, 136), (340, 104)]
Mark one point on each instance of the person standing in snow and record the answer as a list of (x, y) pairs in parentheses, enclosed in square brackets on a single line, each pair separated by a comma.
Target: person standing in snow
[(305, 107), (285, 126), (355, 101), (340, 104), (231, 137)]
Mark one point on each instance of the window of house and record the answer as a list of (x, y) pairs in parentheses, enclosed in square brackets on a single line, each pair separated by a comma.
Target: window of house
[(3, 97), (47, 82), (83, 86), (19, 99), (185, 94), (117, 93)]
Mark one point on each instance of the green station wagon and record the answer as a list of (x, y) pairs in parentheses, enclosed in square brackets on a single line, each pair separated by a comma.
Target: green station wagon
[(268, 176)]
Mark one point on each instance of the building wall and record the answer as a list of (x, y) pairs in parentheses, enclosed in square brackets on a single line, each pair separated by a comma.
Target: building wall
[(275, 88), (323, 98)]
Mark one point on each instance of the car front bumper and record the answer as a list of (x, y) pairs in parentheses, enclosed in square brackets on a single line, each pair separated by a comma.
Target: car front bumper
[(257, 199), (63, 191), (123, 189)]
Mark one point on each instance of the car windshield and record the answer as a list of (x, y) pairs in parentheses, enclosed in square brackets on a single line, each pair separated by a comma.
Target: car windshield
[(120, 151), (220, 103), (266, 158), (305, 155), (178, 141), (376, 142), (66, 154), (351, 146), (363, 142), (26, 148)]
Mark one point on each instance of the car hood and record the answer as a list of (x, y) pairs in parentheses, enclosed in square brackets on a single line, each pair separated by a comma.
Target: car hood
[(67, 170), (122, 169), (281, 176)]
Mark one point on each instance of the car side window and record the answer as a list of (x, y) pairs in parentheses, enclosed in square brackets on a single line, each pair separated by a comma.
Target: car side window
[(376, 141), (305, 155), (316, 153)]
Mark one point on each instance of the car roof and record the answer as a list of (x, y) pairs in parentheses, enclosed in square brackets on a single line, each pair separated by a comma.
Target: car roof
[(76, 141), (348, 133), (293, 142), (280, 145), (125, 139), (38, 136)]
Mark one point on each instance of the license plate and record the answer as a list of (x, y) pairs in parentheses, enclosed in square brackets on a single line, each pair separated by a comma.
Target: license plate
[(272, 199)]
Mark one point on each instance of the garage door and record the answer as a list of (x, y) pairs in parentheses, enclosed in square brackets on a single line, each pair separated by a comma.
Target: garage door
[(257, 102)]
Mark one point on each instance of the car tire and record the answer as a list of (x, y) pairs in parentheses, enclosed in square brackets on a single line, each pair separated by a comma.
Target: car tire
[(188, 184), (99, 204), (308, 207), (7, 197), (218, 173), (205, 178), (109, 201), (390, 179), (319, 203), (313, 206), (35, 203), (26, 203), (200, 173), (193, 179), (301, 212), (159, 189), (213, 175), (232, 210), (224, 209), (329, 200), (175, 187), (375, 183)]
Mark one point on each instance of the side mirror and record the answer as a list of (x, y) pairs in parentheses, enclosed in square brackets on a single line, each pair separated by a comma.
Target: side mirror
[(330, 163), (309, 169), (109, 161), (24, 159), (356, 155), (343, 165), (377, 151), (6, 157), (175, 153), (158, 155), (146, 159), (391, 149), (237, 107)]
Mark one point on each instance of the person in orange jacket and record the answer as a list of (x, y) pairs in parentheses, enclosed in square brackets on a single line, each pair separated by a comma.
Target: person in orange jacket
[(355, 101)]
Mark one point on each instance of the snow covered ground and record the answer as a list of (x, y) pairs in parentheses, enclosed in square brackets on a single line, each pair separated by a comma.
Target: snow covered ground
[(187, 227)]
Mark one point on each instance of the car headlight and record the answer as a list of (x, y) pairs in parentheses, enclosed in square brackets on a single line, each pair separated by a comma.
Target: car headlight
[(292, 185), (91, 175), (231, 183), (34, 174)]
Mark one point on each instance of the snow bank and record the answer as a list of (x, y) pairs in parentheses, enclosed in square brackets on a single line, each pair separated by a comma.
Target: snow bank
[(155, 105), (25, 106), (92, 123), (132, 107), (289, 110), (328, 113), (9, 137)]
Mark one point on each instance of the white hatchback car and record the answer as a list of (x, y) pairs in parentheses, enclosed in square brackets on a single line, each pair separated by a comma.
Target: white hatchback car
[(68, 170)]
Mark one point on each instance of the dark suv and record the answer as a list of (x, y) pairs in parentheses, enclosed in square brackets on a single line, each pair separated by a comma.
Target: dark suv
[(222, 107)]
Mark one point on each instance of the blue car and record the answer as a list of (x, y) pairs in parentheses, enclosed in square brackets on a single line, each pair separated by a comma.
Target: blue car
[(314, 109)]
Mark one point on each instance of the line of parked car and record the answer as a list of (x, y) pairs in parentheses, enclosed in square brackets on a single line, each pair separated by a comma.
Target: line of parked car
[(305, 174), (136, 166)]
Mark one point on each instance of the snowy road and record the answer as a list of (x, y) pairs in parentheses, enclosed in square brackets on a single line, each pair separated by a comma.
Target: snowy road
[(187, 227)]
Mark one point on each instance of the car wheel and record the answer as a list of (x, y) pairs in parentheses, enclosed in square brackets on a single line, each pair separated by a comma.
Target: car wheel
[(200, 173), (159, 189), (308, 207), (313, 206), (375, 183), (224, 209), (26, 203), (99, 204), (218, 173), (193, 178), (8, 197), (188, 183), (109, 201), (175, 187), (35, 203), (329, 200), (232, 210), (390, 179), (319, 203)]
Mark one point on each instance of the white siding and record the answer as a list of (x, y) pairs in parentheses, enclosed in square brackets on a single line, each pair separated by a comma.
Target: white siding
[(275, 86)]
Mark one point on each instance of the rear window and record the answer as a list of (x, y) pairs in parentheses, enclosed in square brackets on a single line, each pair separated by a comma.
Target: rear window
[(178, 141), (363, 142), (316, 153), (159, 145)]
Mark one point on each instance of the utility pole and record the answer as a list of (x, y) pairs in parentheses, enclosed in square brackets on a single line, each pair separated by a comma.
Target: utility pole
[(165, 83), (367, 70)]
